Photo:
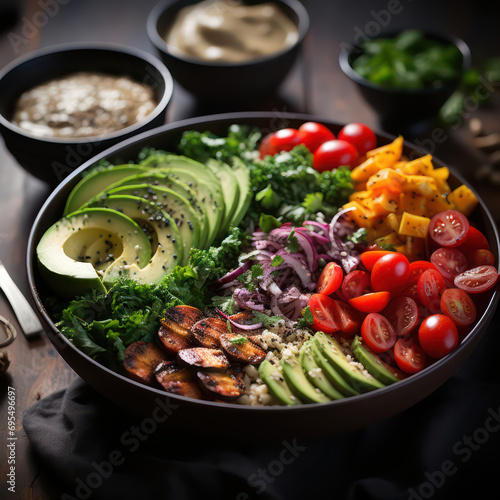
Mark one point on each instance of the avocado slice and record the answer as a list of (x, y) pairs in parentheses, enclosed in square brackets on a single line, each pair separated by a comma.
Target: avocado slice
[(230, 191), (68, 263), (173, 204), (381, 371), (276, 384), (315, 374), (243, 177), (167, 248), (299, 383), (331, 373), (95, 182), (351, 373)]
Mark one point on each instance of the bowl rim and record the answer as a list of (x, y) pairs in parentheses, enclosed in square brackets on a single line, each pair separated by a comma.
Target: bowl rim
[(148, 58), (162, 46), (348, 70), (476, 331)]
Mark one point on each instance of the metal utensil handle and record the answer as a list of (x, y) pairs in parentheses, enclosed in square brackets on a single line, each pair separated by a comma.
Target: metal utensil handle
[(26, 316)]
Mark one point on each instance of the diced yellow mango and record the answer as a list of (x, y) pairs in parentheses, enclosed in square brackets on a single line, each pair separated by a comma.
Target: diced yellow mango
[(414, 225), (423, 185), (412, 203), (393, 221), (359, 214), (419, 166), (360, 196), (384, 203), (365, 170), (438, 202), (392, 152), (464, 199), (386, 179), (441, 173)]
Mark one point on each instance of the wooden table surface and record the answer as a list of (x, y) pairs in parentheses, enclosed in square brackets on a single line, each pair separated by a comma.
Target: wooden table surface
[(316, 85)]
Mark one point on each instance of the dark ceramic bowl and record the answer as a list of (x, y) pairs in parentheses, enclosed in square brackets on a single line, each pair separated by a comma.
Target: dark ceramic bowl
[(52, 159), (399, 107), (258, 422), (229, 82)]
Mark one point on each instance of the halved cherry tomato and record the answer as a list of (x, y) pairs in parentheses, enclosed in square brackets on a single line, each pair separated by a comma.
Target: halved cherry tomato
[(417, 267), (403, 314), (449, 262), (477, 280), (266, 148), (378, 333), (330, 279), (431, 286), (333, 154), (475, 240), (480, 257), (347, 319), (360, 136), (371, 302), (356, 283), (409, 356), (313, 134), (285, 139), (449, 228), (412, 292), (390, 272), (323, 311), (369, 258), (458, 306), (438, 335)]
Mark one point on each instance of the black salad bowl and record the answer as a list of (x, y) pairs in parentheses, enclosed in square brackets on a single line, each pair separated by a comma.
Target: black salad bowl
[(258, 422), (400, 109), (51, 159), (219, 82)]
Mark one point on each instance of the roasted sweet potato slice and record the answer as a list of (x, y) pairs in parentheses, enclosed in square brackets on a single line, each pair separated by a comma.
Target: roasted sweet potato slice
[(175, 380), (227, 385), (181, 318), (173, 340), (203, 357), (240, 348), (141, 360), (207, 331), (243, 318)]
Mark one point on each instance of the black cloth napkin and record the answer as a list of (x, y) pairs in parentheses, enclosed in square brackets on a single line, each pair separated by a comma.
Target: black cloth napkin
[(447, 446)]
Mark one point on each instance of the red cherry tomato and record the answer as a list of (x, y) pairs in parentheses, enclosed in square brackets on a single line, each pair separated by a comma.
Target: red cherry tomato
[(409, 357), (360, 136), (347, 319), (378, 333), (402, 313), (390, 272), (333, 154), (285, 139), (356, 283), (369, 258), (475, 240), (477, 280), (417, 267), (371, 302), (458, 306), (449, 228), (480, 257), (412, 292), (323, 312), (449, 262), (313, 134), (266, 148), (438, 335), (431, 286), (330, 279)]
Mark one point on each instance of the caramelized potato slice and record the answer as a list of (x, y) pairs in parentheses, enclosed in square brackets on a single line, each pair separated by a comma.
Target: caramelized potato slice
[(227, 385), (173, 340), (180, 381), (203, 357), (207, 331), (141, 360), (181, 318), (242, 349)]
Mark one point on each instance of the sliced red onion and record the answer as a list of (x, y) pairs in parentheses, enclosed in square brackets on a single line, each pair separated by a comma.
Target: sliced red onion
[(321, 225), (232, 275), (302, 272), (331, 230), (239, 325)]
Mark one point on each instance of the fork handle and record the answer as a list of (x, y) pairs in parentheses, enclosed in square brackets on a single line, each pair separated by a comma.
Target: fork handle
[(26, 316)]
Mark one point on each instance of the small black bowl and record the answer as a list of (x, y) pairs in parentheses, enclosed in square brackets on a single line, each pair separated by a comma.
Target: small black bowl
[(400, 109), (229, 82), (51, 159)]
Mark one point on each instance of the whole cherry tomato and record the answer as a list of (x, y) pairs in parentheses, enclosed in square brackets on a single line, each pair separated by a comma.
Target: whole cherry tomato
[(313, 134), (360, 136), (438, 335), (333, 154)]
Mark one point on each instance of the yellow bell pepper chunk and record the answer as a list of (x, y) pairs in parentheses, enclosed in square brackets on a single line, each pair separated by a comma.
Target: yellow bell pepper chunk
[(414, 225)]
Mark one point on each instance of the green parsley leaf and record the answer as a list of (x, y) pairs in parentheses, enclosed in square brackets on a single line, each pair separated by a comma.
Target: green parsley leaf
[(277, 260), (268, 222), (293, 244)]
